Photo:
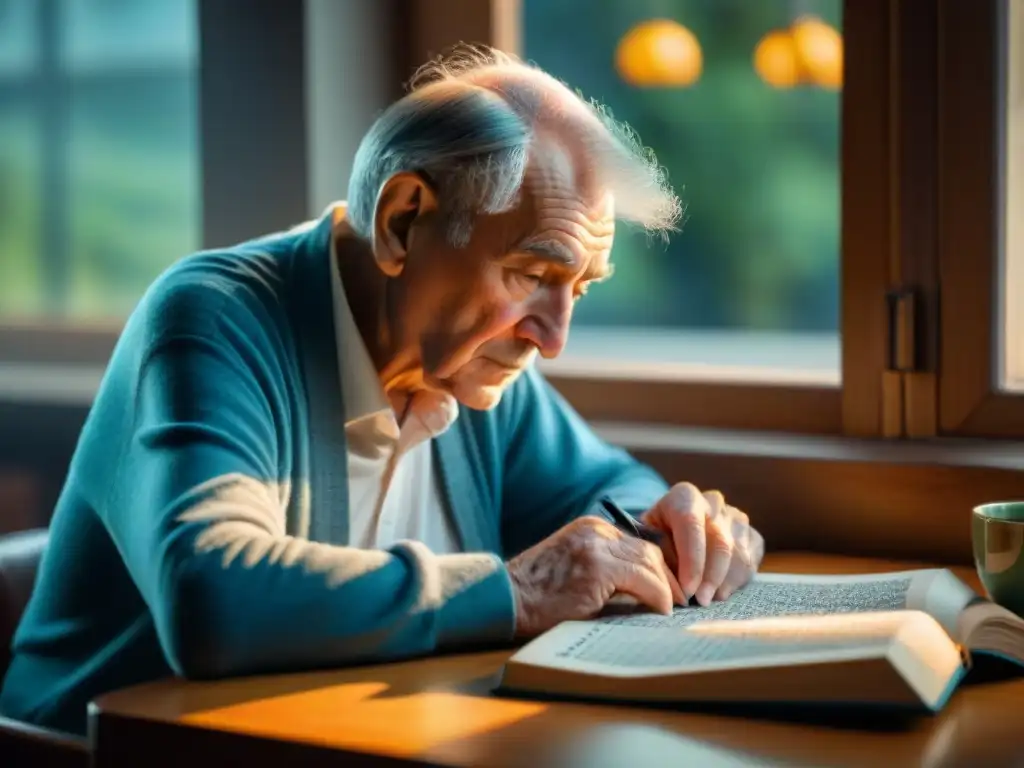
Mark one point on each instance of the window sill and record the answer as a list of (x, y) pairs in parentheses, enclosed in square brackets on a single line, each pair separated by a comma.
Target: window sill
[(76, 385), (948, 452), (49, 383)]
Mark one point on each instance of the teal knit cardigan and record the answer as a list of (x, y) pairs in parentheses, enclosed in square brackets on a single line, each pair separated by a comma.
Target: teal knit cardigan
[(203, 527)]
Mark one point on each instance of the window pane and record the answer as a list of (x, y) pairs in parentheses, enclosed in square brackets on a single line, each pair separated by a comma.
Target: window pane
[(110, 132), (133, 184), (18, 48), (1013, 263), (20, 192), (115, 34), (740, 101), (20, 207)]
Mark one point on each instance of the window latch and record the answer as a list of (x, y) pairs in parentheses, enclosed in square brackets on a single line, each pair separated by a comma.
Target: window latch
[(903, 307)]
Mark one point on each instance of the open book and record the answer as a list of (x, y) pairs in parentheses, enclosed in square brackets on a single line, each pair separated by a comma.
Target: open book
[(903, 638)]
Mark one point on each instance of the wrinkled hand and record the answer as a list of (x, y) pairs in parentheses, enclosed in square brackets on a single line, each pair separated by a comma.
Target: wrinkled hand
[(574, 572), (711, 548)]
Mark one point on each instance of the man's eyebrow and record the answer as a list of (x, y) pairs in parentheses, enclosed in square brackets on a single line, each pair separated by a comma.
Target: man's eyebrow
[(548, 250), (554, 251)]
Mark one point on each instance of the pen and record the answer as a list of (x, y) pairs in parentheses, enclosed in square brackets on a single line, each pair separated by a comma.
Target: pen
[(634, 527), (630, 525)]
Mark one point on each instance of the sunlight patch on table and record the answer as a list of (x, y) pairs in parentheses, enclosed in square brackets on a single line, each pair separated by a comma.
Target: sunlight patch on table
[(365, 716)]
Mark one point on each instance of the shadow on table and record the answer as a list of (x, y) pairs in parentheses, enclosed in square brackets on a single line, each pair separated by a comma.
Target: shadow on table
[(979, 727), (846, 717), (991, 669)]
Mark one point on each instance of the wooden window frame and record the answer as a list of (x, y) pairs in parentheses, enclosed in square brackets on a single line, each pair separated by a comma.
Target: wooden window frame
[(885, 242), (971, 217), (889, 213)]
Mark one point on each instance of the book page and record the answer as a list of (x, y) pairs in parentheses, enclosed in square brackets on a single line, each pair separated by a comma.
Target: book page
[(772, 595), (623, 646), (623, 649), (943, 596), (989, 628), (775, 620)]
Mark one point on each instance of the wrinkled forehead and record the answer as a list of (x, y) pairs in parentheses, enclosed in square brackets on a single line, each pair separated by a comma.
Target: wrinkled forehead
[(563, 173)]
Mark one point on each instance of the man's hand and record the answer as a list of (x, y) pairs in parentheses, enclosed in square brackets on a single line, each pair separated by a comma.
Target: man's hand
[(710, 546), (573, 573)]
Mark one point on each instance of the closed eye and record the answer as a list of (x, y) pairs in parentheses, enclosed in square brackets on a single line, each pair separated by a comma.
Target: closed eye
[(537, 279), (529, 281)]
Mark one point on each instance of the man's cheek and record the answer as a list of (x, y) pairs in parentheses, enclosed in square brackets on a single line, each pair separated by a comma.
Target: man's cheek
[(498, 322), (486, 325), (481, 312)]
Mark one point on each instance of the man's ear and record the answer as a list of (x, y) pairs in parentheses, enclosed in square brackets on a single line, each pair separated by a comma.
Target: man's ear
[(403, 199)]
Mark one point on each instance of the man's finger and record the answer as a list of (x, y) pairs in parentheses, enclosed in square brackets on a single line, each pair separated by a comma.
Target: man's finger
[(748, 552), (649, 556), (716, 501), (657, 560), (668, 552), (678, 596), (739, 574), (685, 510), (720, 547), (639, 581), (756, 548)]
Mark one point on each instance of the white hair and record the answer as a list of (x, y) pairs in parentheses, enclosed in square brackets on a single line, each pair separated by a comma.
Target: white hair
[(468, 125)]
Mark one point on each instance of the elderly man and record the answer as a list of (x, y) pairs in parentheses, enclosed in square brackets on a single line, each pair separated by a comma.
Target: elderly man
[(328, 446)]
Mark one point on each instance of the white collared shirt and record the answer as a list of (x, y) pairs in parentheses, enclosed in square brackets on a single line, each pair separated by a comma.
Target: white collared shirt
[(392, 487)]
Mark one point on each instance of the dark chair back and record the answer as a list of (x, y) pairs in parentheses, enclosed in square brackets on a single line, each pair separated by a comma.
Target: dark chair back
[(20, 554), (22, 744)]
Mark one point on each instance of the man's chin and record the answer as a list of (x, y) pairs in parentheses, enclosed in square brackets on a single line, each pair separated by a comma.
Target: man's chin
[(472, 394), (478, 385), (479, 398), (479, 395)]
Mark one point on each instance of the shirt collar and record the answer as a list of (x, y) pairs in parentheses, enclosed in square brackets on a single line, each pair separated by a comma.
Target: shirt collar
[(363, 394)]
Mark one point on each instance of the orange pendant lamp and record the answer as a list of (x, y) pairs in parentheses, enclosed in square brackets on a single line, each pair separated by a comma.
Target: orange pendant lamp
[(809, 52), (659, 53)]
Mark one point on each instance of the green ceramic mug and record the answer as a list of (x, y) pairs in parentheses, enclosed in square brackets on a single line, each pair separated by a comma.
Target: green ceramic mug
[(998, 535)]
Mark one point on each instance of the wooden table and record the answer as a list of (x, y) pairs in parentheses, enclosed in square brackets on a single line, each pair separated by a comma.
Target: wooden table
[(439, 712)]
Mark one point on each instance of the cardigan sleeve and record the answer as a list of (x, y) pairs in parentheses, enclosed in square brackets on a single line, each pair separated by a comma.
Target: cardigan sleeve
[(557, 468), (196, 510)]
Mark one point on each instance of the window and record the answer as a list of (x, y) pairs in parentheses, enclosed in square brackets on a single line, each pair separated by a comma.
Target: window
[(99, 160), (1012, 325), (740, 101), (980, 238), (848, 264), (772, 119)]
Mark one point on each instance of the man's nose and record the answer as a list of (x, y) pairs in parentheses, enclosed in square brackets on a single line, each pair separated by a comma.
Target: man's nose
[(547, 326)]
